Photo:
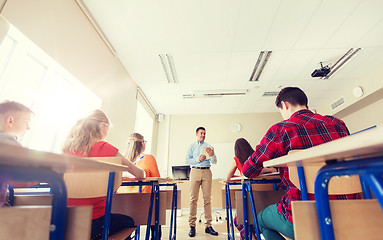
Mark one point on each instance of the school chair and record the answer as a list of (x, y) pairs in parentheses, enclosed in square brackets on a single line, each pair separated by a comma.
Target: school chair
[(34, 222), (95, 184), (262, 199), (351, 219)]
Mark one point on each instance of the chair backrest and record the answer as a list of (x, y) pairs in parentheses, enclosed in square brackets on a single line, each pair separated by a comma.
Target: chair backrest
[(338, 185), (92, 184), (33, 222)]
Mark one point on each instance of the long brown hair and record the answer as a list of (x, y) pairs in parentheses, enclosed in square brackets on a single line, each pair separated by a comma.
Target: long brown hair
[(85, 133), (242, 150), (135, 147)]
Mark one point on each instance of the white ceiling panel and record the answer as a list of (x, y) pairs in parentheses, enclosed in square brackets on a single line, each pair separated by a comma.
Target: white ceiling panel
[(215, 45), (360, 21), (324, 22), (288, 24)]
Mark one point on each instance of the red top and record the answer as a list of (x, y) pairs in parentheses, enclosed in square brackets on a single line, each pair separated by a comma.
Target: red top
[(99, 149), (238, 164), (303, 129)]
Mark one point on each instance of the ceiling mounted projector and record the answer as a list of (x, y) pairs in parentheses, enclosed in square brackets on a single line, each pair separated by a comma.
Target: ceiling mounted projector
[(322, 72)]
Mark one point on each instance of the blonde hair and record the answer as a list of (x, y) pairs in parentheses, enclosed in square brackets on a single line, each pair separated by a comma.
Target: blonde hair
[(85, 133), (135, 147)]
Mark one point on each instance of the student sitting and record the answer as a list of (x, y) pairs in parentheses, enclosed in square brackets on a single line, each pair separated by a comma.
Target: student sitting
[(242, 151), (87, 139), (301, 129), (147, 162), (14, 123)]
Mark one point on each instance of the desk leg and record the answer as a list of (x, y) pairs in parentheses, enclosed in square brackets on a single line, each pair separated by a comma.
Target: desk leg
[(155, 192), (157, 212), (229, 214), (59, 198), (302, 183), (108, 207), (365, 188), (175, 211), (253, 209), (138, 227), (246, 188), (11, 197), (245, 217), (173, 217), (375, 181)]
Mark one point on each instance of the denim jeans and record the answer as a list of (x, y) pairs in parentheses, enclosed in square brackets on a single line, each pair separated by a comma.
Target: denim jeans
[(271, 223)]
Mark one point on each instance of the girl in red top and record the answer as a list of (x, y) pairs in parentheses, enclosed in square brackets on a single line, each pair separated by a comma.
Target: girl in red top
[(87, 139), (147, 162), (242, 151)]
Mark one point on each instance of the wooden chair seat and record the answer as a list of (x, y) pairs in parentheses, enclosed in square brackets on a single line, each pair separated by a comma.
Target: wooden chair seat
[(304, 212), (32, 222), (95, 184), (351, 219)]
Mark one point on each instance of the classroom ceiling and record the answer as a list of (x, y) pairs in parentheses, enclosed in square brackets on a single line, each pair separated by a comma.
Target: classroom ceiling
[(215, 45)]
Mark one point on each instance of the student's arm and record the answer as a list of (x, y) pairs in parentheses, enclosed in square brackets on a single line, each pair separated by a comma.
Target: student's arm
[(231, 171), (266, 150), (133, 169)]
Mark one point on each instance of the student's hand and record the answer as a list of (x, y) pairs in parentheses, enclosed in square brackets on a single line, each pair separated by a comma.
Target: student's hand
[(210, 151), (202, 158)]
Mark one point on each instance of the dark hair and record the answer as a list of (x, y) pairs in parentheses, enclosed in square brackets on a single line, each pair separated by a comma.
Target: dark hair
[(293, 95), (242, 150), (199, 128)]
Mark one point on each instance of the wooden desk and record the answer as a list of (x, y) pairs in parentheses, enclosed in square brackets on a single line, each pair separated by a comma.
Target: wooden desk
[(246, 191), (155, 182), (21, 164), (360, 154)]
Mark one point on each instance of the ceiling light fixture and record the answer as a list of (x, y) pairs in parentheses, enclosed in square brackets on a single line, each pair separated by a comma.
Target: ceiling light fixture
[(263, 58), (169, 67), (215, 93), (270, 94), (342, 61)]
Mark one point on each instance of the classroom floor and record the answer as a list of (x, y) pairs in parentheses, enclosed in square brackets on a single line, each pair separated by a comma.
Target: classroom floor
[(183, 227)]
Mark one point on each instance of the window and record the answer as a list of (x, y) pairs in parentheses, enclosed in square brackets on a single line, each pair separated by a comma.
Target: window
[(144, 126), (57, 98)]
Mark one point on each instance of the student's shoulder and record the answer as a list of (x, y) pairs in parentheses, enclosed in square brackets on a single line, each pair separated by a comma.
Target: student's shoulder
[(149, 157), (8, 139), (102, 145)]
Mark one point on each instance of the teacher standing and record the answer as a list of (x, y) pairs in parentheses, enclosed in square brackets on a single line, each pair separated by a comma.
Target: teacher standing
[(200, 155)]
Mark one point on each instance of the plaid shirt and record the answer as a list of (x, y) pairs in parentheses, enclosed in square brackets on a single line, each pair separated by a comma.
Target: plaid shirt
[(303, 129)]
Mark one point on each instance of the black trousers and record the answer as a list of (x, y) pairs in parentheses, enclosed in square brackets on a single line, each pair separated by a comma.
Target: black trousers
[(117, 223), (152, 228)]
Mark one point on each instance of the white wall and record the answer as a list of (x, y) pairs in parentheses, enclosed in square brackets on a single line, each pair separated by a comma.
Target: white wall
[(177, 132), (365, 117), (370, 84), (61, 29)]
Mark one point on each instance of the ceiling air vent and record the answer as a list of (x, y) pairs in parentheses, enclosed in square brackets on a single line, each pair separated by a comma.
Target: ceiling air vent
[(270, 94), (337, 103)]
